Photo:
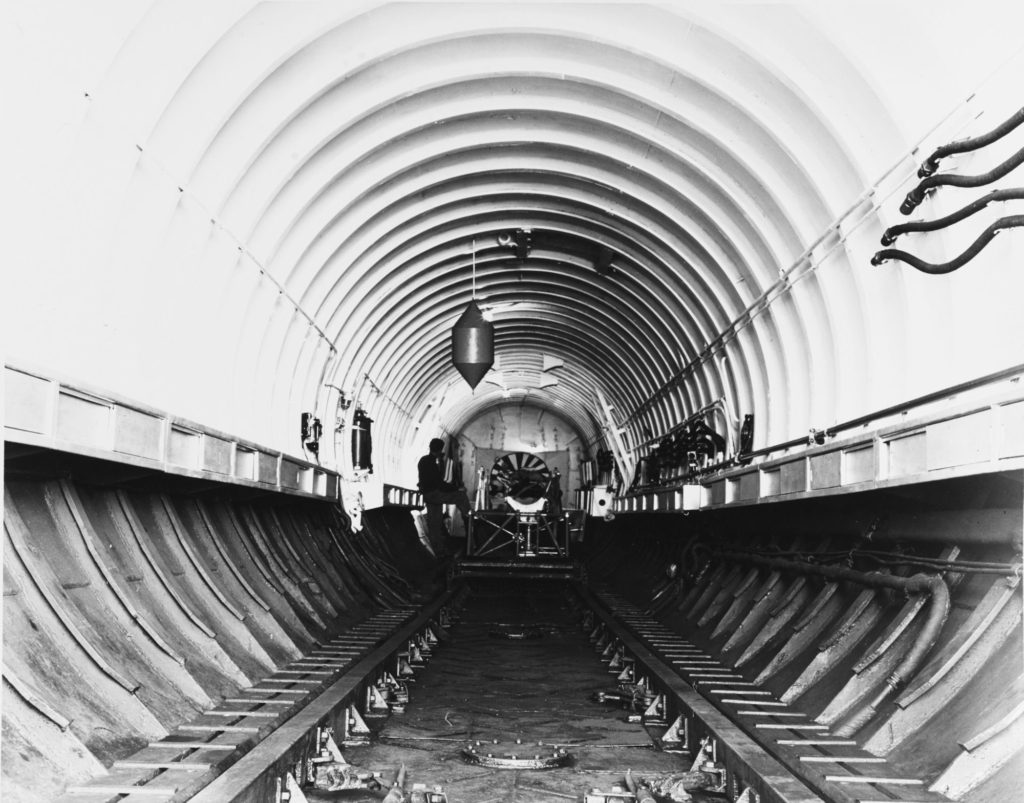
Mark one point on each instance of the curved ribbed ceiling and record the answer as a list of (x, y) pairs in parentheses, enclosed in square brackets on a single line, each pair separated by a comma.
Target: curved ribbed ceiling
[(342, 174), (365, 191)]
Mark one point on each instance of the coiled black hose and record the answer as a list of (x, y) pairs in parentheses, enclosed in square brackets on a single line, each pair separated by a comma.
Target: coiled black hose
[(931, 164), (916, 195), (891, 233), (933, 268)]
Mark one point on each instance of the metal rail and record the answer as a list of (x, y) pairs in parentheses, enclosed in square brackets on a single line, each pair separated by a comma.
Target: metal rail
[(744, 758), (256, 773), (766, 745), (910, 404), (818, 437), (239, 750)]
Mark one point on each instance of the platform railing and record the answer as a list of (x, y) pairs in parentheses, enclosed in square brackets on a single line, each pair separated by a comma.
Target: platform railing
[(975, 427)]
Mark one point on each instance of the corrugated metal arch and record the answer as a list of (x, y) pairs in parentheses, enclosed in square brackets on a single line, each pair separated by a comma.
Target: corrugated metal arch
[(281, 161)]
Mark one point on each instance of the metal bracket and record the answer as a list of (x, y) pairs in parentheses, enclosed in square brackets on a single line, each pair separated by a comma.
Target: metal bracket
[(656, 712), (288, 790), (415, 655), (376, 704), (329, 771), (403, 667), (749, 796), (420, 794), (356, 731), (328, 749), (394, 691), (677, 738), (609, 650), (706, 761), (615, 795)]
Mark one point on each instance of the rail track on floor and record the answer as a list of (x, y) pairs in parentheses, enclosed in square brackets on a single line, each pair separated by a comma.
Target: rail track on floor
[(245, 748), (254, 745), (764, 749)]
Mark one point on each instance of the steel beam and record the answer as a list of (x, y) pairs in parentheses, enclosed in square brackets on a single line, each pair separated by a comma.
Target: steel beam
[(256, 771), (768, 777)]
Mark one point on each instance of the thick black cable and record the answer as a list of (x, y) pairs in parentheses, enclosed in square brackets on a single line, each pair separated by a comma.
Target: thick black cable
[(895, 559), (891, 233), (931, 164), (938, 268), (1003, 572), (916, 195)]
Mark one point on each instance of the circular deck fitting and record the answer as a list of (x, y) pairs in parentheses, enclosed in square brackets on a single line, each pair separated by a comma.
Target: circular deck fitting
[(515, 755)]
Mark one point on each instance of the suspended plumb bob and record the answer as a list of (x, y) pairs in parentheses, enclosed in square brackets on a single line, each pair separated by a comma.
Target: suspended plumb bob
[(473, 345)]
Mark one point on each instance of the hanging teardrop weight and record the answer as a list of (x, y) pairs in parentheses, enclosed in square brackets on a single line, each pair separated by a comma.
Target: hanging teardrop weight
[(473, 345)]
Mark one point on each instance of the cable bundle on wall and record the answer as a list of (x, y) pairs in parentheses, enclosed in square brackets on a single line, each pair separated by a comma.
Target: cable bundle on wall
[(930, 182)]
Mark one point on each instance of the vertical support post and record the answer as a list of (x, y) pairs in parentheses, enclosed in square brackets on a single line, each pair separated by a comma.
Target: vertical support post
[(623, 459)]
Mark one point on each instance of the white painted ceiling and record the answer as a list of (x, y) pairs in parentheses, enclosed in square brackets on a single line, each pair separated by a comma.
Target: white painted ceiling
[(235, 209)]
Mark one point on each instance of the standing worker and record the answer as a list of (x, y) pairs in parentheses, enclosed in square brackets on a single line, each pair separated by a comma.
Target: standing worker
[(437, 493)]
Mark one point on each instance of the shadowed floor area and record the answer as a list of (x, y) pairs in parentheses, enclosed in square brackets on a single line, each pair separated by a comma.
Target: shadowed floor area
[(536, 686)]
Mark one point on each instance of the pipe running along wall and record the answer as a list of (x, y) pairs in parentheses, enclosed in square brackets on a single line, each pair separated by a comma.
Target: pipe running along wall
[(938, 610)]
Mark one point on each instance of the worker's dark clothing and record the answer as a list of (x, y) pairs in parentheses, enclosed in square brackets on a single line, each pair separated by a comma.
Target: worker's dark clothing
[(431, 477), (437, 493)]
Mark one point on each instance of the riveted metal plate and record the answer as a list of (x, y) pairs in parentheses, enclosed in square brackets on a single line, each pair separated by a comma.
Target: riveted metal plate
[(517, 755)]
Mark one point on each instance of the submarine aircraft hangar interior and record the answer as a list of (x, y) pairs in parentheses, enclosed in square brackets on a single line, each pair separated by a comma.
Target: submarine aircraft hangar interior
[(714, 309)]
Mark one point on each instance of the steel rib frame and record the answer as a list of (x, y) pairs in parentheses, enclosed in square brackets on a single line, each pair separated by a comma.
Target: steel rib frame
[(275, 753)]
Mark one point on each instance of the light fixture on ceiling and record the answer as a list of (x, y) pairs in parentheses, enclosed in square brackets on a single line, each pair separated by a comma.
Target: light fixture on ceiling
[(473, 340)]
